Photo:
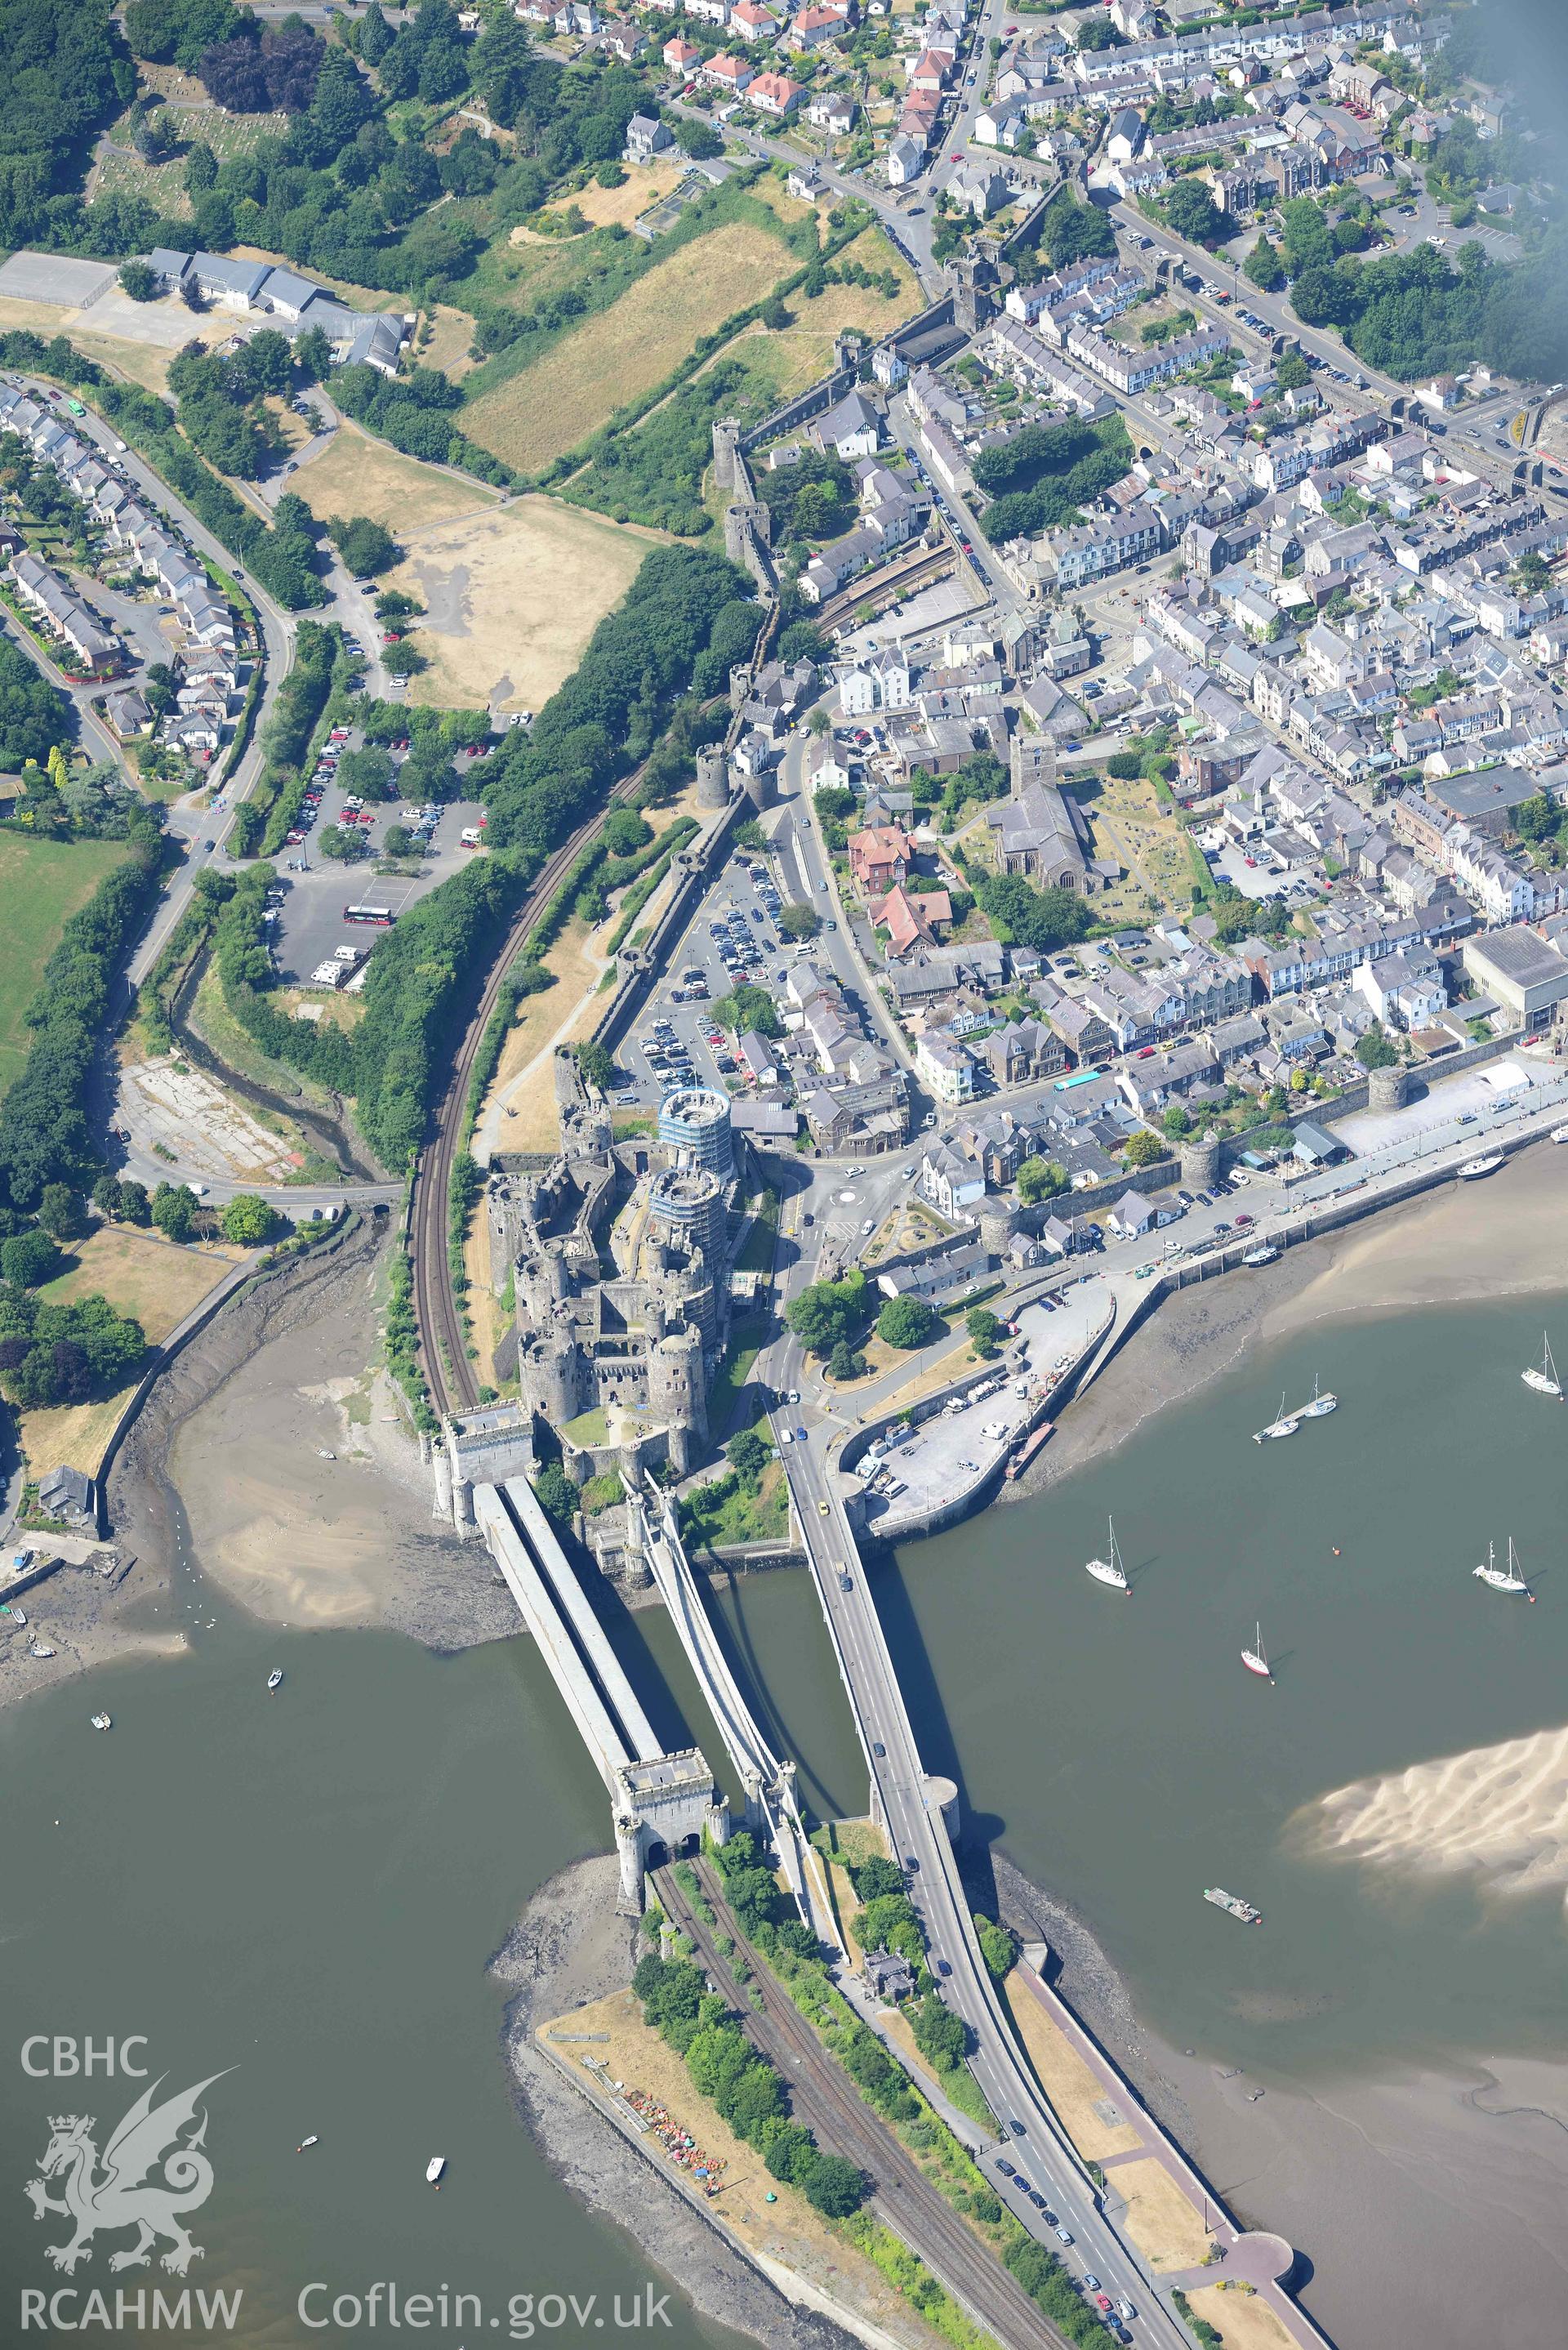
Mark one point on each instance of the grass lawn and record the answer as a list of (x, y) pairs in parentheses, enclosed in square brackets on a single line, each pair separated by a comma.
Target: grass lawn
[(41, 884), (512, 596), (723, 1512), (142, 1274), (747, 1336), (1128, 823), (545, 409), (356, 473), (757, 1256)]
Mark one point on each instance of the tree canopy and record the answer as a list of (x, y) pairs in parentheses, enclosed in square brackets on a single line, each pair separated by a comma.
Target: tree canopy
[(828, 1311), (907, 1322)]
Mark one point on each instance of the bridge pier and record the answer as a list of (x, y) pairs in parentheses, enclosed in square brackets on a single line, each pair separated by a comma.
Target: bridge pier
[(667, 1807)]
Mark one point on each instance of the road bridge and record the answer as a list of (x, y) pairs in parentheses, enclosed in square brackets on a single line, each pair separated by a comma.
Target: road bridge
[(772, 1805), (661, 1802), (918, 1811)]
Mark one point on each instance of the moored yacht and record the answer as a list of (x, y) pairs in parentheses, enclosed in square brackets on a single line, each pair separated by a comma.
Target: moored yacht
[(1474, 1168), (1543, 1376), (1501, 1578), (1320, 1404), (1256, 1659), (1109, 1570), (1281, 1425)]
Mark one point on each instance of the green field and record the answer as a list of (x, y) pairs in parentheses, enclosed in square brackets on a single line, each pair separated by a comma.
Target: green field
[(41, 884)]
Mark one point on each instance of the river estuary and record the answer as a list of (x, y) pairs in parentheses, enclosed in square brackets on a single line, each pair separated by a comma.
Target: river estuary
[(302, 1892)]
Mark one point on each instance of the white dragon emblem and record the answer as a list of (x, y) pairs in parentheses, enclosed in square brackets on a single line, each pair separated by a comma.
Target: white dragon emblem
[(124, 2194)]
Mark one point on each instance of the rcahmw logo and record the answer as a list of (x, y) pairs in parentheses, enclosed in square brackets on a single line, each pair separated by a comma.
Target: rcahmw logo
[(154, 2171)]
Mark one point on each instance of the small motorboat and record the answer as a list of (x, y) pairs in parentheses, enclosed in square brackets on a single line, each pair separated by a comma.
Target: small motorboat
[(325, 1456), (101, 1721), (40, 1648), (433, 2169), (17, 1617), (274, 1679), (314, 2140)]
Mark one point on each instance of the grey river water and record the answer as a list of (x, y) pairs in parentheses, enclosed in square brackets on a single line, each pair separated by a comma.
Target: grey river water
[(306, 1888)]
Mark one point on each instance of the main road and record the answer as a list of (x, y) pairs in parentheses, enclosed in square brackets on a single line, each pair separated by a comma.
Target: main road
[(909, 1802)]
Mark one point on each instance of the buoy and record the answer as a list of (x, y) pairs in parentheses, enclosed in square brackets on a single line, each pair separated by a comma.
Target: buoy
[(1336, 1550)]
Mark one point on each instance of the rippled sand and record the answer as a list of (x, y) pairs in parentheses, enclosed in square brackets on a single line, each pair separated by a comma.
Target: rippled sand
[(1499, 1813)]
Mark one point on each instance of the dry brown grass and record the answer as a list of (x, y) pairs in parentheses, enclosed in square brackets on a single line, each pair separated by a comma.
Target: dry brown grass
[(1072, 2088), (623, 352), (645, 183), (512, 596), (1246, 2322), (73, 1437), (144, 363), (357, 474), (142, 1274), (448, 347), (1160, 2220), (787, 2231), (519, 1112)]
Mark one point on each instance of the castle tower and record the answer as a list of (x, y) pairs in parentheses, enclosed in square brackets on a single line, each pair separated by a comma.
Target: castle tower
[(712, 780), (726, 441), (1388, 1088), (695, 1123), (1201, 1163)]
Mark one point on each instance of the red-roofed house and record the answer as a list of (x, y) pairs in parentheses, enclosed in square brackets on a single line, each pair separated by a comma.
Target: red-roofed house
[(812, 27), (726, 72), (752, 22), (912, 918), (681, 55), (774, 93), (929, 72), (879, 857)]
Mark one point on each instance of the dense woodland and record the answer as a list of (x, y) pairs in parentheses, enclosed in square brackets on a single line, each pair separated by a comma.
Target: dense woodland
[(1044, 475)]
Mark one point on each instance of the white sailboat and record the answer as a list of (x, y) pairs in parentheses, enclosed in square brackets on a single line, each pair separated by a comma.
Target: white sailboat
[(1281, 1426), (1256, 1659), (1109, 1570), (1473, 1170), (1501, 1578), (1319, 1406), (1544, 1380)]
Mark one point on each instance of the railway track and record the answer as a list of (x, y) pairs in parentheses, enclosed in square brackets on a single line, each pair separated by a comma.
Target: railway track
[(875, 592), (846, 2125), (444, 1341)]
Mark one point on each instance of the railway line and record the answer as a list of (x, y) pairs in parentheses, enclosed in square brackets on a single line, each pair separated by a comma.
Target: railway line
[(920, 2215), (875, 592), (444, 1341)]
